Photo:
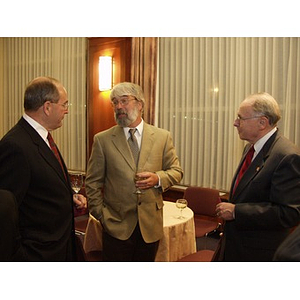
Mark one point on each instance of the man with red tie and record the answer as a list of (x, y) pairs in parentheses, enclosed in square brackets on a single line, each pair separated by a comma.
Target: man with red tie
[(264, 201), (32, 168)]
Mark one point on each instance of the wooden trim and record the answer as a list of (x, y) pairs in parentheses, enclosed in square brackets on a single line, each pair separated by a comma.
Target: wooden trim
[(99, 111)]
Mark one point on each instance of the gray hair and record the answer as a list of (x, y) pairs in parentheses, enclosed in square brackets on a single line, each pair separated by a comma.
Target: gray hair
[(264, 104), (128, 89)]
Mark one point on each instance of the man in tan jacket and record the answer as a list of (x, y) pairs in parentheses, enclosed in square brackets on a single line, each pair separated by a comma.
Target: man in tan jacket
[(132, 223)]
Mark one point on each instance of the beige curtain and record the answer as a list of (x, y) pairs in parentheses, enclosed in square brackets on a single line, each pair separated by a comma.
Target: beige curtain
[(22, 59), (144, 71), (201, 84), (291, 89)]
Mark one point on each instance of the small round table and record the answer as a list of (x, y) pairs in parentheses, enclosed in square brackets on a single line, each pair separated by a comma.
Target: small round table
[(178, 239)]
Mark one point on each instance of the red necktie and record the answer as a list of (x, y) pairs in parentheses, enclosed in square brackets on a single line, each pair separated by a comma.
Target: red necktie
[(55, 151), (244, 167)]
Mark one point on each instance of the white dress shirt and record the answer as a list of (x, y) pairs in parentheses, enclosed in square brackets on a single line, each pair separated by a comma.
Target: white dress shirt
[(42, 131), (261, 142)]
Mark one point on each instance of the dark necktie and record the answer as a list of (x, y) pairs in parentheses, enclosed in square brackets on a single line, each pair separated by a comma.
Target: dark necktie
[(55, 151), (244, 167), (132, 141)]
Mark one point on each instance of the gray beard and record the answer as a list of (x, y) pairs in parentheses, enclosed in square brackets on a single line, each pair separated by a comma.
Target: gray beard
[(125, 122)]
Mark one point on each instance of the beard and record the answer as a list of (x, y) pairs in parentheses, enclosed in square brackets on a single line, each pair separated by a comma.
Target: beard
[(124, 119)]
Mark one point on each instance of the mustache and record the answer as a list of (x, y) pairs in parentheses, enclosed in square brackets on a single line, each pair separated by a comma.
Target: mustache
[(121, 112)]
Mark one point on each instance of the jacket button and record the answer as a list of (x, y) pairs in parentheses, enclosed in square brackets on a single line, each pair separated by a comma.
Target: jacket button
[(139, 203)]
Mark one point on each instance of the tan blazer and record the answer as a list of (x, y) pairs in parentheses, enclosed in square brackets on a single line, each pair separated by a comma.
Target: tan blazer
[(111, 168)]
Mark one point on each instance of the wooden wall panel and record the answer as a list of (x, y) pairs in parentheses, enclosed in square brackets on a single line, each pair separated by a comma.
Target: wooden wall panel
[(100, 113)]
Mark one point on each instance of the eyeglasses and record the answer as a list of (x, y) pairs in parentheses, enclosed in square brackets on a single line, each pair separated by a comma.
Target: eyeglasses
[(239, 118), (123, 101), (64, 105)]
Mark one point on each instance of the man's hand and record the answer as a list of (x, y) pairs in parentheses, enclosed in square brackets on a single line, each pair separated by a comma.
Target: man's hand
[(79, 201), (226, 211), (147, 180)]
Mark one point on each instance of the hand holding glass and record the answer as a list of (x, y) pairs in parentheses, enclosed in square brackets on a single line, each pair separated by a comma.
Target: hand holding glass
[(138, 177), (181, 204), (76, 182)]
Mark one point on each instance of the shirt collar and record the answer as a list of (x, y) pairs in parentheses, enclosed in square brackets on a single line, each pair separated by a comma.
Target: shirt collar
[(139, 128), (260, 143), (42, 131)]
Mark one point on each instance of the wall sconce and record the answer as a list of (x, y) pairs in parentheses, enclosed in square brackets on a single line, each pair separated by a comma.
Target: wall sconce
[(105, 73)]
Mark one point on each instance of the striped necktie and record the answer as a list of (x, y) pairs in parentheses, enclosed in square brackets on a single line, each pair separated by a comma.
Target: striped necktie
[(132, 141), (55, 152)]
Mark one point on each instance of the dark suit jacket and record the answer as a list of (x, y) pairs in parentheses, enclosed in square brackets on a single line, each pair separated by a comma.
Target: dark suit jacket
[(267, 202), (8, 225), (289, 250), (29, 169)]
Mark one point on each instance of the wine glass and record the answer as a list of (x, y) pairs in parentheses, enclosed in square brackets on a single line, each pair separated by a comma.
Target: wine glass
[(76, 182), (181, 204), (138, 177)]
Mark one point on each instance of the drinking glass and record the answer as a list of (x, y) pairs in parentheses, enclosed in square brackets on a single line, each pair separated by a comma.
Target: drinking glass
[(76, 182), (181, 204), (137, 177)]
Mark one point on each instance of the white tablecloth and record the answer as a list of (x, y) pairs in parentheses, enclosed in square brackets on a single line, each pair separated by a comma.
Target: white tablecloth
[(179, 234), (178, 240)]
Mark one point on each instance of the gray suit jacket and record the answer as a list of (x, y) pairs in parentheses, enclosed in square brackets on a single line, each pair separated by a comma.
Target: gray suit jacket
[(110, 181), (267, 202)]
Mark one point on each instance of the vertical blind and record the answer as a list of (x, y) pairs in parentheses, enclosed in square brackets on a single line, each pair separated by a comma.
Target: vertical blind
[(202, 81), (201, 84), (21, 60)]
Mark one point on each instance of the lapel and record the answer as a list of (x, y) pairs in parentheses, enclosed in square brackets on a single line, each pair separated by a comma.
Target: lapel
[(45, 151), (255, 167), (147, 143), (120, 142)]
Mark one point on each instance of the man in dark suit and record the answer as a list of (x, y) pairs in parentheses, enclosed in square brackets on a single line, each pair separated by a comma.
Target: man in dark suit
[(289, 250), (35, 173), (132, 223), (265, 204), (9, 225)]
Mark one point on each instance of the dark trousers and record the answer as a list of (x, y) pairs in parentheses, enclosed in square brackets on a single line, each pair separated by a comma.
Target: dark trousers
[(133, 249)]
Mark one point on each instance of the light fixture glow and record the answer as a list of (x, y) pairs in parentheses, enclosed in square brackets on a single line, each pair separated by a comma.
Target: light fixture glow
[(105, 73)]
